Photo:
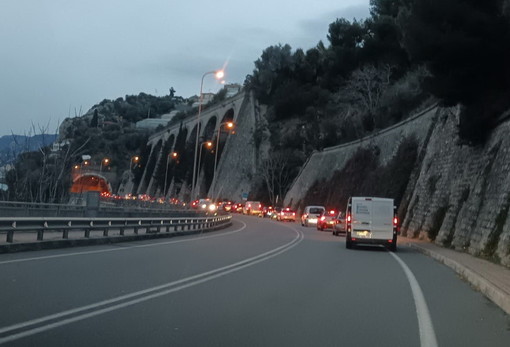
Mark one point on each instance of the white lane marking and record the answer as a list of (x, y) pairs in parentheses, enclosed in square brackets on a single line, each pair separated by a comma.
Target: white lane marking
[(123, 248), (160, 290), (427, 334)]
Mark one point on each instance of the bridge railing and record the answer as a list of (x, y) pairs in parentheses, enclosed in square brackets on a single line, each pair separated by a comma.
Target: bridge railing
[(31, 229)]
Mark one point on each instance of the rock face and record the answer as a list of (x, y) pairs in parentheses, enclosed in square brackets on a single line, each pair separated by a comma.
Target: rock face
[(461, 197)]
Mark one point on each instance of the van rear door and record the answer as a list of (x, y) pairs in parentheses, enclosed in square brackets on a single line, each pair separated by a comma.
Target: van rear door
[(382, 219), (361, 217)]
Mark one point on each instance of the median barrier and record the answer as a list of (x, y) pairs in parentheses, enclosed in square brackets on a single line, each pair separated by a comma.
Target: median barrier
[(30, 233)]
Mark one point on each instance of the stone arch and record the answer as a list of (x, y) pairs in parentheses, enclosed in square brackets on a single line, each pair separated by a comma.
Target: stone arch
[(209, 128), (228, 116)]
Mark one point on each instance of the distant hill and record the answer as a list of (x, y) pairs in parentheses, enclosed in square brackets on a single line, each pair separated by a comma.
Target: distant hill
[(12, 145)]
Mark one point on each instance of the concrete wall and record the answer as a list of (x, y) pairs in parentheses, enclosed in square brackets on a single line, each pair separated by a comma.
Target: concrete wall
[(322, 165)]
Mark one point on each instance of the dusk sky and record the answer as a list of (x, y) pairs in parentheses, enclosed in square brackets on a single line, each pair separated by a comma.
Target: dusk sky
[(60, 57)]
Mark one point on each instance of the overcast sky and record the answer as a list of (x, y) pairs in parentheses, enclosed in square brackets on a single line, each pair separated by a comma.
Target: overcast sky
[(58, 57)]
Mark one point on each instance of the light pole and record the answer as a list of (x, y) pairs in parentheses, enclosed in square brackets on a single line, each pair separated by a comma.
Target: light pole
[(106, 161), (230, 126), (219, 75), (209, 145), (135, 160), (174, 155)]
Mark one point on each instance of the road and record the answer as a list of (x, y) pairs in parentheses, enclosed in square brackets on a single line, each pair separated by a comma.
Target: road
[(257, 283)]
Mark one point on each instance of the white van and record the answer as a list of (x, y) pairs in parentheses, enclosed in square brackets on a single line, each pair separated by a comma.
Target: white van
[(371, 221), (310, 214)]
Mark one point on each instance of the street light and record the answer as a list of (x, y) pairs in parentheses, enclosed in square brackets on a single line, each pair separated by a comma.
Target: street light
[(174, 155), (218, 74), (135, 160), (209, 145), (106, 161), (229, 125)]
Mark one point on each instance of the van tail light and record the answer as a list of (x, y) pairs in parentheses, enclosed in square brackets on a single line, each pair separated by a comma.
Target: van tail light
[(395, 221), (348, 218), (323, 218)]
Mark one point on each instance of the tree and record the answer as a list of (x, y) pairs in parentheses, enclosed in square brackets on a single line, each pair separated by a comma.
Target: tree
[(276, 172), (95, 121), (367, 85), (465, 44)]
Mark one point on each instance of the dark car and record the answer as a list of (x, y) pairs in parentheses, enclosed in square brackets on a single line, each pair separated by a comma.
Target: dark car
[(327, 220)]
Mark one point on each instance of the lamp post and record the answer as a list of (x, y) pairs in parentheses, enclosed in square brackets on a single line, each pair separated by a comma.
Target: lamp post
[(230, 126), (135, 160), (174, 155), (219, 75), (208, 144), (105, 161)]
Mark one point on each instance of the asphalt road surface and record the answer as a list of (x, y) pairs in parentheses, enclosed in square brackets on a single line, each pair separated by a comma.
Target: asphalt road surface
[(257, 283)]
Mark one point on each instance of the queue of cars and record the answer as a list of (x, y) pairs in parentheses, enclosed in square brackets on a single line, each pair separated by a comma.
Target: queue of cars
[(367, 220)]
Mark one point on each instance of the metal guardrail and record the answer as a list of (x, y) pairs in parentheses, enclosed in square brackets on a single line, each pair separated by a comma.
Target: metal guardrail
[(28, 225), (24, 209)]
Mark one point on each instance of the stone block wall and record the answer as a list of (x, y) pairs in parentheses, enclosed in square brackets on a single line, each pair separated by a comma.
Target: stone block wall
[(462, 193)]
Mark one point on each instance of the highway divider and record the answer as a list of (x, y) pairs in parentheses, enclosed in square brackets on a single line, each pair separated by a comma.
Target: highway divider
[(31, 233)]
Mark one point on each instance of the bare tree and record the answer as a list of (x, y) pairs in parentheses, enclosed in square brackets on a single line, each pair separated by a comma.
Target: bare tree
[(276, 172), (367, 85)]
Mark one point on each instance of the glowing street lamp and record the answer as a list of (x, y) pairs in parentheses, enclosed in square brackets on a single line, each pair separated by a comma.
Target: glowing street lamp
[(209, 145), (135, 159), (218, 74), (105, 161), (230, 126), (174, 156)]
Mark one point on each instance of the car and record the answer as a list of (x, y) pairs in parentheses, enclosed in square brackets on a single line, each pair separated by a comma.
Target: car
[(237, 208), (253, 208), (371, 220), (225, 206), (339, 224), (267, 211), (276, 212), (327, 220), (287, 214), (311, 214), (206, 205)]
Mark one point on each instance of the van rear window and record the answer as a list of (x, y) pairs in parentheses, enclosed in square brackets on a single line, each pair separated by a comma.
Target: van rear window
[(316, 210)]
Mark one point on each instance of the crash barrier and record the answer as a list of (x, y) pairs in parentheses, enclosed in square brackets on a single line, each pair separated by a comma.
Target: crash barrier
[(23, 209), (76, 225)]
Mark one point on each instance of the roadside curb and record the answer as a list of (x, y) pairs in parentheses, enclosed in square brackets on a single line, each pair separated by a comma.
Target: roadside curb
[(65, 243), (487, 288)]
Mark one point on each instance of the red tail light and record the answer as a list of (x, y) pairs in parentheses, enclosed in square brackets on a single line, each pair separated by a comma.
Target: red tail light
[(348, 218), (293, 213), (395, 221), (323, 218)]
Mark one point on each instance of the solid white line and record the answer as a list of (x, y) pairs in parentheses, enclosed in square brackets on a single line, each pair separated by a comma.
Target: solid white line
[(123, 248), (192, 281), (427, 334)]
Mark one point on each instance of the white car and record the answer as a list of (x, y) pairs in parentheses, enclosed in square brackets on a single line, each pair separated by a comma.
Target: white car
[(311, 214)]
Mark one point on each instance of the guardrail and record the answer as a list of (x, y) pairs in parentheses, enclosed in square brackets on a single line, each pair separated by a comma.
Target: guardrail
[(24, 209), (66, 226)]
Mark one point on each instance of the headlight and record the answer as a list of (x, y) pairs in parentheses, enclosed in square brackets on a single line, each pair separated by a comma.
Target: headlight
[(212, 207)]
